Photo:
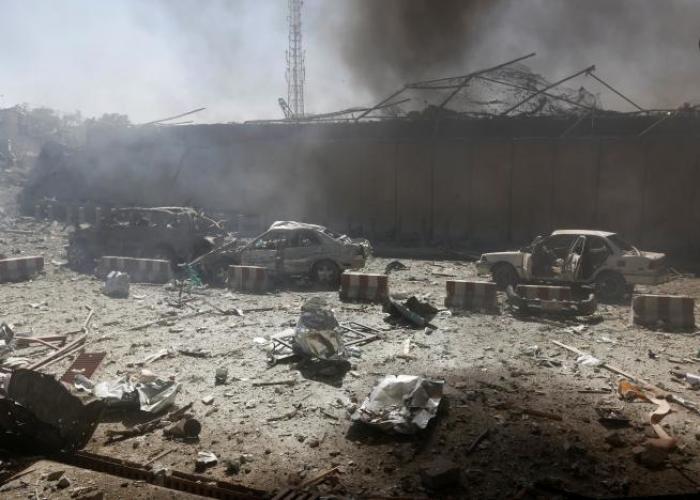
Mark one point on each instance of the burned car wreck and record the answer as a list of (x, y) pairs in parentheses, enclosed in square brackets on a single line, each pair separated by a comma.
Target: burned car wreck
[(289, 249), (577, 256), (177, 234)]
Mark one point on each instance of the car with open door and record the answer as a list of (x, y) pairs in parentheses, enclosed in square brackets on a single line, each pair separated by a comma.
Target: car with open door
[(577, 256)]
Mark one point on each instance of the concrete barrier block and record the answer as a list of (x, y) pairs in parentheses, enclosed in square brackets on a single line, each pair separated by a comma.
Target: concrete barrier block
[(544, 292), (669, 311), (248, 279), (471, 295), (20, 268), (139, 270), (364, 287)]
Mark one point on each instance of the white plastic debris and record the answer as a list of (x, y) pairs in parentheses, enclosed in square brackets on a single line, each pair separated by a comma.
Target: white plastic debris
[(153, 395), (588, 360), (117, 285), (401, 403)]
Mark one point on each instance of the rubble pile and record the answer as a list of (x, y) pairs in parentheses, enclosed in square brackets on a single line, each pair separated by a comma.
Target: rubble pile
[(294, 389)]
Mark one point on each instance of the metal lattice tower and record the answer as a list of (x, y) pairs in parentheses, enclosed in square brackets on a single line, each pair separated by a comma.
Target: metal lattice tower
[(296, 72)]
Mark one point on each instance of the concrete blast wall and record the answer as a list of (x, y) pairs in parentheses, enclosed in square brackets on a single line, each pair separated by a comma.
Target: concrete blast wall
[(487, 192), (404, 183)]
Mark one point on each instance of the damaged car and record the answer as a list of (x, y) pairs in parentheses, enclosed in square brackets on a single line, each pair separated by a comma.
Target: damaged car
[(289, 249), (177, 234), (599, 258)]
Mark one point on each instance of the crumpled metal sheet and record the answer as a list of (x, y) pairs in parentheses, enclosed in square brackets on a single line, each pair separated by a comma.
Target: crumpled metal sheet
[(317, 335), (403, 404)]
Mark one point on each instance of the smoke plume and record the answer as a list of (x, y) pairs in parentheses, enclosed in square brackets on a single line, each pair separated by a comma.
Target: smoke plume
[(647, 48), (392, 41)]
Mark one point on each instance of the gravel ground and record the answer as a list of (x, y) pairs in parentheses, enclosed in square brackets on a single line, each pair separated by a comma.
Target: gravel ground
[(284, 434)]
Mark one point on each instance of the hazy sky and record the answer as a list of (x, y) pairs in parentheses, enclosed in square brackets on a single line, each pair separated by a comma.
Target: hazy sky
[(154, 58), (150, 58)]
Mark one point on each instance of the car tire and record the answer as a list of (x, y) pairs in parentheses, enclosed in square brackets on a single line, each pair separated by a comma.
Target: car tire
[(504, 275), (610, 286), (326, 273)]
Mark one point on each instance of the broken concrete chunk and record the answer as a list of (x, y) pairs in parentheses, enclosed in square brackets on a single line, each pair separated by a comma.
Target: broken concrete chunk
[(207, 400), (205, 459)]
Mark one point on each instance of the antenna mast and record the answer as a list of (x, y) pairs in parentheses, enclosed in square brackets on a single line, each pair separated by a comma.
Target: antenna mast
[(296, 72)]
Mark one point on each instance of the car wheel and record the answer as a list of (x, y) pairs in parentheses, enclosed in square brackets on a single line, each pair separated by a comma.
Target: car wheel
[(610, 286), (504, 275), (326, 273)]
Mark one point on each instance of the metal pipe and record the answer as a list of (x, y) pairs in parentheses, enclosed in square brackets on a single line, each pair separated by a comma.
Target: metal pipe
[(382, 103), (610, 87), (658, 122), (587, 70), (174, 117)]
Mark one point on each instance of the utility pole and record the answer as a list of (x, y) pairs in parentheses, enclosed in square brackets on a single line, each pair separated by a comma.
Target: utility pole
[(296, 72)]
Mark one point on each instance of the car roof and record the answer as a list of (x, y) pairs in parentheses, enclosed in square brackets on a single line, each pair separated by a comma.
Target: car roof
[(290, 225), (585, 232)]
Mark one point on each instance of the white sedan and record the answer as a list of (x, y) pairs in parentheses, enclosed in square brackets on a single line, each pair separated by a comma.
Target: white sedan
[(577, 256)]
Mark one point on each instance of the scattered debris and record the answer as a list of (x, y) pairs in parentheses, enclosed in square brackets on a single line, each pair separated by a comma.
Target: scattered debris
[(317, 335), (395, 265), (401, 403), (117, 285), (139, 429), (7, 336), (85, 365), (145, 392), (692, 379), (221, 376), (416, 312), (205, 459), (41, 413), (186, 427)]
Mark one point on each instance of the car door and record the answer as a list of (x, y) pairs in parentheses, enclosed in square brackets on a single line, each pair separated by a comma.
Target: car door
[(264, 251), (571, 269), (303, 250)]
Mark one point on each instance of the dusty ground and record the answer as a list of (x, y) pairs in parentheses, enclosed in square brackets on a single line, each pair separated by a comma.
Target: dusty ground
[(486, 361)]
